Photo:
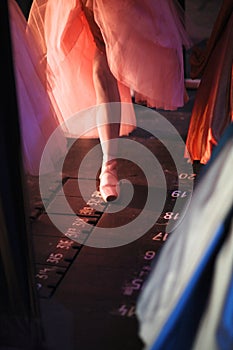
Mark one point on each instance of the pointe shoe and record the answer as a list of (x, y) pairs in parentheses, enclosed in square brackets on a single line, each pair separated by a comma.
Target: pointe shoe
[(108, 181)]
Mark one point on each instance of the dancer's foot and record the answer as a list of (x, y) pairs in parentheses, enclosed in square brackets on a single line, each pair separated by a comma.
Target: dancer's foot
[(108, 181)]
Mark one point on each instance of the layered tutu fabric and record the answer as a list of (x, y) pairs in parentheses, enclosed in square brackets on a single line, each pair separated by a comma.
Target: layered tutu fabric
[(38, 119), (53, 59), (144, 43)]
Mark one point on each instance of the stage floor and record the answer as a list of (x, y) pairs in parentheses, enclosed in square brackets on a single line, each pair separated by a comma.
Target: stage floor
[(88, 284)]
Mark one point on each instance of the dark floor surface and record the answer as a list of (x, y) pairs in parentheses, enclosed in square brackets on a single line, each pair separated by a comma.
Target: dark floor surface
[(88, 293)]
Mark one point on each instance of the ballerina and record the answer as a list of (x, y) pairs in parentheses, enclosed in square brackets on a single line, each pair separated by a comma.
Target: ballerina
[(95, 57)]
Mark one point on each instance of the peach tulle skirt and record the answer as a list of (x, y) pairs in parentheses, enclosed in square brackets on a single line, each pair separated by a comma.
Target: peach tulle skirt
[(38, 119), (53, 59), (144, 43)]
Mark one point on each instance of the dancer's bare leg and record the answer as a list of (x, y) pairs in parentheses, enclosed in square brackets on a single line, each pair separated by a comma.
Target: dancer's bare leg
[(108, 122), (108, 118), (109, 114)]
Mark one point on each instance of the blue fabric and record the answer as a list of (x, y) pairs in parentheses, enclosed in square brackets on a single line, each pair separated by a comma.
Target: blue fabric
[(225, 328), (224, 332), (181, 326)]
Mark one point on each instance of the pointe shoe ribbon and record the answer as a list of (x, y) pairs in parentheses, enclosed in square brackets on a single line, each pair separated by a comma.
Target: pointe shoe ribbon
[(108, 181)]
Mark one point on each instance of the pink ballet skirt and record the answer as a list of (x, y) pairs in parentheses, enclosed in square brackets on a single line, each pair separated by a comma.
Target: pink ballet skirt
[(144, 44), (38, 119)]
